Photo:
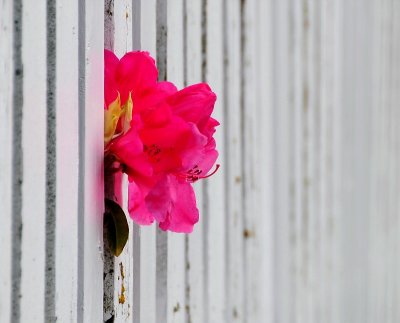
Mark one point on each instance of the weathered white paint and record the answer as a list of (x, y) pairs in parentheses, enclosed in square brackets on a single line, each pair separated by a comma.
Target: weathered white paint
[(334, 259), (300, 224), (124, 278), (194, 248), (6, 136), (175, 242), (266, 190), (234, 153), (215, 224), (147, 292), (67, 167), (33, 161), (91, 131), (384, 183), (257, 146)]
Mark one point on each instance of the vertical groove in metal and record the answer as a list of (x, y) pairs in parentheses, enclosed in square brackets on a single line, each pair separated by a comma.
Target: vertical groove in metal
[(136, 45), (161, 275), (161, 41), (17, 162), (136, 273), (187, 281), (136, 24), (81, 171), (109, 24), (185, 43), (161, 237), (185, 83), (205, 206), (50, 165), (109, 259)]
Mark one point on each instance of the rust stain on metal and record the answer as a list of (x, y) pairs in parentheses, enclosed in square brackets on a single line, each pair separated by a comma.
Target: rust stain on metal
[(121, 269), (121, 297), (247, 233)]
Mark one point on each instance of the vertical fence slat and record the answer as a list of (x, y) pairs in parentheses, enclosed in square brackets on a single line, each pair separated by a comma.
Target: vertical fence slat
[(283, 274), (148, 234), (356, 108), (300, 224), (334, 222), (161, 237), (67, 152), (176, 242), (6, 90), (192, 32), (395, 113), (215, 223), (257, 148), (328, 97), (91, 23), (252, 169), (124, 274), (234, 168), (384, 220), (265, 110), (34, 161)]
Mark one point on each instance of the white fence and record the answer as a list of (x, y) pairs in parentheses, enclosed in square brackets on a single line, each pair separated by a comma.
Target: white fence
[(301, 223)]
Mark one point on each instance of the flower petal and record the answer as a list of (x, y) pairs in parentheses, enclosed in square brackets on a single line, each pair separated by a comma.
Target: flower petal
[(128, 148), (136, 205), (136, 71), (151, 104), (172, 202), (110, 86), (194, 103)]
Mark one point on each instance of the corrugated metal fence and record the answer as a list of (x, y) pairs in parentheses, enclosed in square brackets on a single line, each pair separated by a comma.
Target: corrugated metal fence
[(301, 223)]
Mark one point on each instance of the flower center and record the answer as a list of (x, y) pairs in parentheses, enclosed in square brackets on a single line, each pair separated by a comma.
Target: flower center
[(194, 174)]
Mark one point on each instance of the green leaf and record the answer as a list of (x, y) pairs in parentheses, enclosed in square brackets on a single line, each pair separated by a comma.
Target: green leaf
[(116, 225)]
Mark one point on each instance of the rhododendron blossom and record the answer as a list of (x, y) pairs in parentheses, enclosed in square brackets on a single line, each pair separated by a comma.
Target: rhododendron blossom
[(161, 137)]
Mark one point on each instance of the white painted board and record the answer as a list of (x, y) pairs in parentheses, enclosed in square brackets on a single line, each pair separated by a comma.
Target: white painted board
[(147, 292), (34, 120), (215, 224), (6, 130), (234, 152), (175, 302), (91, 161), (67, 167)]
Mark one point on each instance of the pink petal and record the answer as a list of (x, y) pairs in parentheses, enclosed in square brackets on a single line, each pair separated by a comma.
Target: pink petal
[(194, 148), (136, 71), (151, 104), (129, 143), (157, 117), (110, 86), (173, 204), (128, 148), (207, 127), (137, 207), (194, 103), (164, 145)]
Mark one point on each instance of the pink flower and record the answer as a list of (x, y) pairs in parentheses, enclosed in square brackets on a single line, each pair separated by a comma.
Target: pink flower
[(162, 137)]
